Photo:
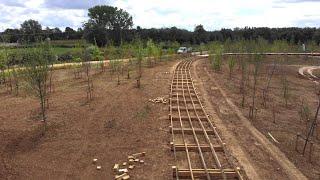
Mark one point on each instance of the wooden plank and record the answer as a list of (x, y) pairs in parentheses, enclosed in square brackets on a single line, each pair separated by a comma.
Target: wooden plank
[(194, 147), (175, 108), (186, 118), (189, 131), (181, 90), (200, 173), (196, 101)]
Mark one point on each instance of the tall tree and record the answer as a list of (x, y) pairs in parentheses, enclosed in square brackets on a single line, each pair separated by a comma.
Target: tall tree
[(200, 34), (70, 33), (95, 33), (31, 30), (112, 19)]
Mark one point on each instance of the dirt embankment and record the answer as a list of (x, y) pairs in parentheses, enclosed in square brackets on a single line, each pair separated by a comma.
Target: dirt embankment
[(118, 122)]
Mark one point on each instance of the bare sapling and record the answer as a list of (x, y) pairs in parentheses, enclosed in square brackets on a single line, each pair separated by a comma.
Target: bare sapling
[(256, 67), (129, 63), (285, 88), (243, 81), (313, 125), (231, 64), (51, 59), (139, 59), (15, 80), (150, 52), (159, 53), (217, 62), (77, 69), (87, 56), (274, 111), (265, 90), (285, 81), (305, 114), (119, 69)]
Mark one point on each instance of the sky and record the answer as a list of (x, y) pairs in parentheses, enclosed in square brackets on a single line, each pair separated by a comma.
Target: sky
[(186, 14)]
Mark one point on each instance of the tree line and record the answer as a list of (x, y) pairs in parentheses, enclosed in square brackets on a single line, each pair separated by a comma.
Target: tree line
[(109, 24)]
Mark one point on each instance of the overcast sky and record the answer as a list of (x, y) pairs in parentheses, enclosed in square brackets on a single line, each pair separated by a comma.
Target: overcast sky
[(213, 14)]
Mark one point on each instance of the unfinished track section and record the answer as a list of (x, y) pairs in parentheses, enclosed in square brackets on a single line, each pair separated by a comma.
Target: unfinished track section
[(198, 149)]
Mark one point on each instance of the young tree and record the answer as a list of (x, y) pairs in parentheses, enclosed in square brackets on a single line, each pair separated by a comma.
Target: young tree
[(150, 52), (313, 125), (265, 90), (37, 69), (139, 59), (97, 55), (285, 87), (2, 67), (243, 80), (217, 58), (256, 66), (87, 57), (77, 68), (231, 64)]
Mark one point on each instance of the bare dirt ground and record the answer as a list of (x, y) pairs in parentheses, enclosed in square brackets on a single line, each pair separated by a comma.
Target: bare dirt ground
[(118, 122), (287, 125)]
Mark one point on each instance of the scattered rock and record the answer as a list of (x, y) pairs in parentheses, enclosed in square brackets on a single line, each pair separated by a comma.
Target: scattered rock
[(125, 170), (98, 167), (94, 161), (123, 173), (141, 154), (116, 167), (126, 177), (131, 161), (130, 157), (159, 100), (119, 177)]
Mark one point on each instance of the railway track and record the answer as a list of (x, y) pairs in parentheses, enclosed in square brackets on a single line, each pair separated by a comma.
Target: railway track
[(198, 149)]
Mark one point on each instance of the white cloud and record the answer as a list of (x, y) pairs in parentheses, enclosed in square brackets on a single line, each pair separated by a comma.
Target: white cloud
[(213, 14)]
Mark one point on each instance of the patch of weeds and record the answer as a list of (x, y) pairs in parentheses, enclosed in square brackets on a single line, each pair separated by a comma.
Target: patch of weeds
[(110, 124), (143, 113)]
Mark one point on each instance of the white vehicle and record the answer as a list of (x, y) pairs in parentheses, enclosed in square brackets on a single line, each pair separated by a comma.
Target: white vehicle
[(182, 50)]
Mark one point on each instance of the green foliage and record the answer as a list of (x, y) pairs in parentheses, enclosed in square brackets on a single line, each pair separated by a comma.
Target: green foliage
[(107, 17), (30, 28), (231, 64), (3, 60), (93, 53), (216, 58), (111, 52), (37, 62)]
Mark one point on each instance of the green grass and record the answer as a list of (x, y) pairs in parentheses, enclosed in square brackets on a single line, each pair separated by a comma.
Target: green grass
[(60, 50), (56, 50)]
